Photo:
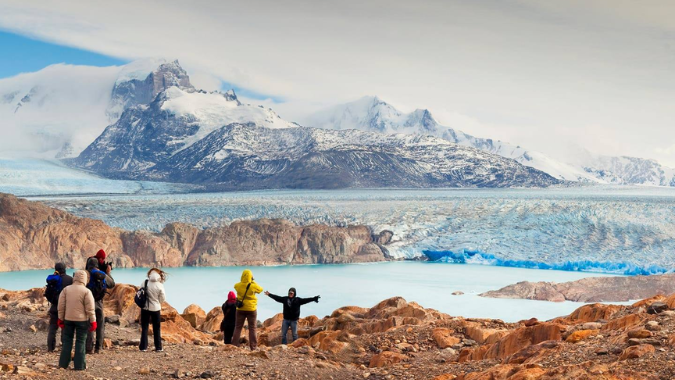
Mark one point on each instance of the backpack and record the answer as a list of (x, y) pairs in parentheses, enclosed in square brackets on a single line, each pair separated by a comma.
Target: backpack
[(54, 287), (97, 284), (141, 297)]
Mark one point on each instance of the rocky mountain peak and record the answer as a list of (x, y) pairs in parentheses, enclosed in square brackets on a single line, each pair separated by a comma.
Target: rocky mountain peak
[(137, 84)]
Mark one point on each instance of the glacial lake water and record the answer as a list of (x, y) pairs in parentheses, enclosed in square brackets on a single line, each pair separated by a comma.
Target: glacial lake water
[(429, 284)]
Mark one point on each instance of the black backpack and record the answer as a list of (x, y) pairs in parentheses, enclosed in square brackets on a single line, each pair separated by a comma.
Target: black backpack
[(97, 284), (54, 287), (141, 297)]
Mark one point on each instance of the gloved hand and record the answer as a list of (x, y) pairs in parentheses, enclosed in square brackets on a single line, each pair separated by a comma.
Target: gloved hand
[(93, 326), (60, 323), (316, 299)]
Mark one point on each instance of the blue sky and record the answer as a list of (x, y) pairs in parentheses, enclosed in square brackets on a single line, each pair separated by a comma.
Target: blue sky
[(21, 54)]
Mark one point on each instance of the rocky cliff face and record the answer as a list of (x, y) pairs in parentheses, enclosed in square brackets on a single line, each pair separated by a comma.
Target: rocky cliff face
[(134, 91), (592, 289), (34, 236)]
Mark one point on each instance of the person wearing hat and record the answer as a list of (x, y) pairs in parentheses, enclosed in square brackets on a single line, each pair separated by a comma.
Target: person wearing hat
[(292, 305), (94, 344), (59, 269), (229, 317)]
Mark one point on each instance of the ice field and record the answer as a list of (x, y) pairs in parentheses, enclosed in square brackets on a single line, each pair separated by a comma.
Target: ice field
[(626, 230)]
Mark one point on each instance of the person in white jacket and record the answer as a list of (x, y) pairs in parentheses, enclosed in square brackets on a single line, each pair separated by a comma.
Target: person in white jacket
[(152, 309)]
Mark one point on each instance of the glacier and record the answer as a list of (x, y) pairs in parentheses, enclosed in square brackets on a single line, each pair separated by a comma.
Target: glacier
[(624, 230), (33, 176)]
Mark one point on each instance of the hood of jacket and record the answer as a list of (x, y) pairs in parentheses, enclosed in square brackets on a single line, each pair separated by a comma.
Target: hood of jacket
[(246, 276), (154, 277), (81, 277), (231, 297), (92, 263)]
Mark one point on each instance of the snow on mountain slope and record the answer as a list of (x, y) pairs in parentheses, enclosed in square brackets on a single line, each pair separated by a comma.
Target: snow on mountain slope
[(210, 111), (61, 109), (372, 114), (211, 138)]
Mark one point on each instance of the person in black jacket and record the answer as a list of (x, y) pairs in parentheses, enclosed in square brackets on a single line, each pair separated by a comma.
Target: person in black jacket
[(291, 312), (60, 269), (229, 317)]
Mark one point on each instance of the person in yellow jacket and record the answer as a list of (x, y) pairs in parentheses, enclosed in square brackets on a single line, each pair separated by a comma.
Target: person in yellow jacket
[(247, 308)]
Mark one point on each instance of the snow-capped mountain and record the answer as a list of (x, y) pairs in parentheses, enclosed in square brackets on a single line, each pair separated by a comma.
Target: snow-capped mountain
[(146, 135), (59, 110), (211, 138), (139, 82), (372, 114), (630, 170)]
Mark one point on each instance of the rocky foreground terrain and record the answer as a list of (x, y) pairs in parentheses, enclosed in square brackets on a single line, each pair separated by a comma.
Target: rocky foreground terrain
[(34, 236), (394, 339), (591, 289)]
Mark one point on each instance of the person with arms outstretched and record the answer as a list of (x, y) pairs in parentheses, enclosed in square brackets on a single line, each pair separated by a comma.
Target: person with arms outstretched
[(292, 305)]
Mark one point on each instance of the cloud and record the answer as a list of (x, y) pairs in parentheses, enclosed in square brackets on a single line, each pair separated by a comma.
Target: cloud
[(597, 73)]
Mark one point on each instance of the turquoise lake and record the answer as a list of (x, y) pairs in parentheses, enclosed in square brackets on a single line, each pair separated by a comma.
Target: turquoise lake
[(429, 284)]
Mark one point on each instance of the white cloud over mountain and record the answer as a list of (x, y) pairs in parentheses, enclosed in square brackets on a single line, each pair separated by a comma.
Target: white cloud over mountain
[(598, 74)]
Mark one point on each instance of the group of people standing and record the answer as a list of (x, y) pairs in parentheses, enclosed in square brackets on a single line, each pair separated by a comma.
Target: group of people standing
[(77, 308), (243, 307)]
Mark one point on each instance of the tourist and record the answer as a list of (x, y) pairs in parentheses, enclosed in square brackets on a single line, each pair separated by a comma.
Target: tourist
[(76, 315), (99, 283), (55, 285), (292, 305), (154, 292), (247, 306), (229, 317)]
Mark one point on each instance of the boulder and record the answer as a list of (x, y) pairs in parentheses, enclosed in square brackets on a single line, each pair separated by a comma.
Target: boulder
[(593, 313), (580, 335), (623, 323), (482, 334), (638, 351), (195, 315), (521, 338), (443, 337), (212, 320), (386, 359), (657, 307), (639, 334)]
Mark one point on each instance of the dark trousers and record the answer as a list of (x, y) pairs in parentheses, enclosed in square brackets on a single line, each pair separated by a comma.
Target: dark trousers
[(79, 329), (100, 331), (228, 332), (53, 328), (252, 318), (288, 324), (146, 316)]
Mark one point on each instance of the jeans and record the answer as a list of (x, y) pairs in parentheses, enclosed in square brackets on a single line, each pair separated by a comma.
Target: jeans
[(146, 316), (243, 316), (79, 329), (53, 328), (100, 331), (284, 330)]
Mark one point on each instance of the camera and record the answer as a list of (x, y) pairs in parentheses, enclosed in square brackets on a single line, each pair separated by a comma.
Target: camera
[(104, 267)]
